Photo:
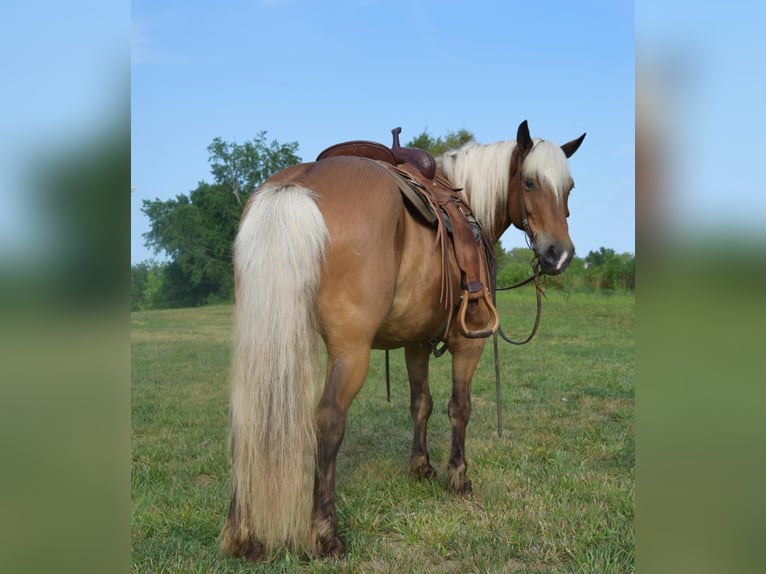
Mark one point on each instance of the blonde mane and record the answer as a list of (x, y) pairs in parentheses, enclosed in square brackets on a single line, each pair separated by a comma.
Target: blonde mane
[(547, 161), (483, 171)]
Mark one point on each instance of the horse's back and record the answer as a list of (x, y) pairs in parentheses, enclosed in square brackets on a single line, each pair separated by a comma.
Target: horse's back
[(349, 190)]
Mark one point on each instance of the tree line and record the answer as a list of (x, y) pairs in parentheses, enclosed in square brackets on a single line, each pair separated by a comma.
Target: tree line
[(604, 271), (196, 232)]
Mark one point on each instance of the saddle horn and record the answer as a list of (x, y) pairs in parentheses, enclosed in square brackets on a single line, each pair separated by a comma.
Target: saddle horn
[(422, 160)]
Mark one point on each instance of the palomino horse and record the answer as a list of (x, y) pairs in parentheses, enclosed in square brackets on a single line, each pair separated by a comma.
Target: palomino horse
[(329, 249)]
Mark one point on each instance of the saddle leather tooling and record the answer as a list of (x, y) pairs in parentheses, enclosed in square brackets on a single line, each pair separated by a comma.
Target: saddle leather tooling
[(437, 203)]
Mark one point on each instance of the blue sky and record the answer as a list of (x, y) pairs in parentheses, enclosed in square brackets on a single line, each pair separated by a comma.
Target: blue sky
[(323, 72)]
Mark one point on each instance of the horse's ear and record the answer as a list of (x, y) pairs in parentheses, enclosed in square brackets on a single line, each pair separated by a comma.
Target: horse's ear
[(570, 147), (523, 139)]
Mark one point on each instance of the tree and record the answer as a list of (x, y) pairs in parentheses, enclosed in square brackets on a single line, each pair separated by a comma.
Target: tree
[(610, 271), (148, 288), (243, 167), (514, 267), (602, 270), (438, 146), (139, 275), (197, 231)]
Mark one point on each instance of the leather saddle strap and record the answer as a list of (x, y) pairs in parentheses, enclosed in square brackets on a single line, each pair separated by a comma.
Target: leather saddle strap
[(471, 255), (467, 246)]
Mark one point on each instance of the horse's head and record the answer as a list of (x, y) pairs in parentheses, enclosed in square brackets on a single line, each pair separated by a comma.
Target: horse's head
[(538, 196)]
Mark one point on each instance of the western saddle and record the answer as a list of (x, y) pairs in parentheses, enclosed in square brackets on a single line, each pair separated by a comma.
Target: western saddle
[(434, 201)]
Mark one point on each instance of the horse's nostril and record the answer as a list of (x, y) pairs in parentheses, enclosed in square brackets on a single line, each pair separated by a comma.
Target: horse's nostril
[(555, 258), (552, 253)]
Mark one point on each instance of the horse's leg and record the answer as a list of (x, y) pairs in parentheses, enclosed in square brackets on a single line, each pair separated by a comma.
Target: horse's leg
[(465, 357), (346, 374), (421, 406)]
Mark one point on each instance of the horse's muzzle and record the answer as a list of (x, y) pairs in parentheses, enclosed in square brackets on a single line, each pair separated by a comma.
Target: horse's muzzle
[(555, 258)]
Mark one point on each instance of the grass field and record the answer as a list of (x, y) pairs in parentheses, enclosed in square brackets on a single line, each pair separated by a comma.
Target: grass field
[(553, 494)]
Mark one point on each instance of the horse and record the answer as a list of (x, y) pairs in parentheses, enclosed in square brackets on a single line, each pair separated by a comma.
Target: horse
[(328, 252)]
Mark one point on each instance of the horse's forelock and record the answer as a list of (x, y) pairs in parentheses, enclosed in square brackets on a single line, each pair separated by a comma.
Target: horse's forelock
[(547, 161)]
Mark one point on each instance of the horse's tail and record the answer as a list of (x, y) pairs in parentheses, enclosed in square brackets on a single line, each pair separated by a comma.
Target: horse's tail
[(278, 257)]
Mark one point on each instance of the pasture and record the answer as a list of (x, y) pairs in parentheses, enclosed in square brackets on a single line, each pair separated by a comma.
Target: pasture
[(555, 493)]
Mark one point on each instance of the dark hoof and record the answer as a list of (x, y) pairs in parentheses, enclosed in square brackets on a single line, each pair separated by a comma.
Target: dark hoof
[(249, 550), (256, 553), (425, 472), (334, 548), (464, 488)]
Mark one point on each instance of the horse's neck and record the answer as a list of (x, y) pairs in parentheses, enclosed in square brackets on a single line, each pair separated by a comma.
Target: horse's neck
[(493, 229)]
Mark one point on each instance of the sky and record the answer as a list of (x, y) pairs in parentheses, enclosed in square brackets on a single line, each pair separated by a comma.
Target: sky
[(318, 73)]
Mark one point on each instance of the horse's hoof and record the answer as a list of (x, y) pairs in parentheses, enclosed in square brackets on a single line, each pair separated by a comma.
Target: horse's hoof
[(425, 472), (335, 548), (463, 488), (257, 553), (249, 549)]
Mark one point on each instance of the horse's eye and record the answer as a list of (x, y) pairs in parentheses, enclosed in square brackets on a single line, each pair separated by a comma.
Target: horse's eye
[(529, 184)]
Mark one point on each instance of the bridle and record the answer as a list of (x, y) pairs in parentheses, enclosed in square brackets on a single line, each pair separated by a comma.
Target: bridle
[(535, 264)]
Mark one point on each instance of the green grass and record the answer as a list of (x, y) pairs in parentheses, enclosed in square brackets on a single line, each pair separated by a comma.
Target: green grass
[(553, 494)]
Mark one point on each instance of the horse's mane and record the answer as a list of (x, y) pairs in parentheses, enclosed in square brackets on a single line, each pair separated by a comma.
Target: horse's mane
[(483, 172)]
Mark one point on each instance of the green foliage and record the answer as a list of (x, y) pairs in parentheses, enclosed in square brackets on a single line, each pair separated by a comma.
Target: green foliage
[(602, 270), (438, 146), (514, 266), (197, 231), (139, 275), (611, 271), (242, 168), (153, 295), (148, 288)]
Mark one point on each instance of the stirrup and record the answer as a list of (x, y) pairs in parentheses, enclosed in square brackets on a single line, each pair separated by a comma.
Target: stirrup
[(481, 333)]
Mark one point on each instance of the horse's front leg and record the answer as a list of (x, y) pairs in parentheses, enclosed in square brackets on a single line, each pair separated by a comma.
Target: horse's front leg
[(465, 357), (345, 377), (421, 406)]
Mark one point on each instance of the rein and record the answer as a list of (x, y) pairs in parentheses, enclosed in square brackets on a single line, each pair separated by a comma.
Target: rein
[(539, 295)]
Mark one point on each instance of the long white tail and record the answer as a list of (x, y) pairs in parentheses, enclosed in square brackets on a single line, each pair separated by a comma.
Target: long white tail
[(278, 257)]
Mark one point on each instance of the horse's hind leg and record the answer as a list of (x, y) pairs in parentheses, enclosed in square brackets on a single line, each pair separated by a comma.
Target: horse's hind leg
[(346, 374), (465, 357), (421, 406), (248, 547)]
